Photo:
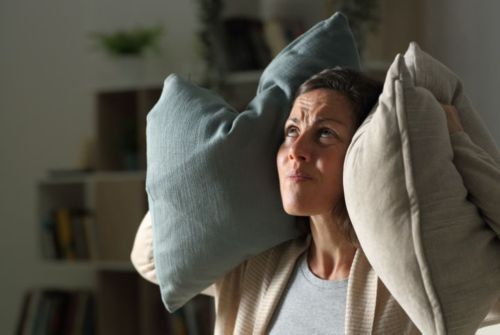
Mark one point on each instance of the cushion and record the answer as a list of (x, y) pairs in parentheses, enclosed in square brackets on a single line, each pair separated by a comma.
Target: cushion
[(409, 205), (448, 88), (212, 183)]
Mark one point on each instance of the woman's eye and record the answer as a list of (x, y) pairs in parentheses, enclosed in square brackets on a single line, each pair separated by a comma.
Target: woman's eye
[(326, 132), (291, 132)]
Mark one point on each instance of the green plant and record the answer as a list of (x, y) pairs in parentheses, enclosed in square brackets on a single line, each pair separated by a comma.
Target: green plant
[(133, 42)]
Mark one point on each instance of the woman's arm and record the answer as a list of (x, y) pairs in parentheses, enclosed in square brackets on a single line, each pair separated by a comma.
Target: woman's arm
[(493, 316), (142, 254), (142, 251), (480, 173), (481, 176)]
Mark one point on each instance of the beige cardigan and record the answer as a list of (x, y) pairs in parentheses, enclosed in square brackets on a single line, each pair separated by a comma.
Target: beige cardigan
[(250, 293), (247, 296)]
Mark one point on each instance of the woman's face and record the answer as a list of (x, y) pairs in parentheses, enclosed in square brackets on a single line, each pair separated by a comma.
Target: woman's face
[(310, 160)]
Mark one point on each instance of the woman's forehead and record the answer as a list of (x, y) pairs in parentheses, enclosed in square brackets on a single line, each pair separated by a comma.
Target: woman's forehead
[(322, 104)]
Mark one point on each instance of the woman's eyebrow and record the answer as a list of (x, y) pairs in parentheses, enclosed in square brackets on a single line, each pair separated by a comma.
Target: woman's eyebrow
[(322, 119), (318, 120)]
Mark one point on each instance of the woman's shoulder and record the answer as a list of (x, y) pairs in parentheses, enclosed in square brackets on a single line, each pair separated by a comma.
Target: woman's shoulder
[(267, 263)]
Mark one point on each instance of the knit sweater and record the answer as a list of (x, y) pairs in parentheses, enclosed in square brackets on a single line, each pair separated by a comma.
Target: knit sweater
[(247, 296)]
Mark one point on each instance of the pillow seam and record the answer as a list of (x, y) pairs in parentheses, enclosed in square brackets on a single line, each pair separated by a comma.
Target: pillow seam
[(439, 327)]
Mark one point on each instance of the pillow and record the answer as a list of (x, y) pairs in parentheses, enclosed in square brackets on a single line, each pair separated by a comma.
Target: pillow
[(211, 179), (405, 197), (429, 73), (448, 89)]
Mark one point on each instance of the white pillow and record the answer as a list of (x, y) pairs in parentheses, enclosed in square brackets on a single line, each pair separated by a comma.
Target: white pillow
[(411, 212)]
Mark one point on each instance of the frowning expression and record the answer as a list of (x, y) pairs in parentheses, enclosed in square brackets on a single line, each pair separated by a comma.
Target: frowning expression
[(311, 158)]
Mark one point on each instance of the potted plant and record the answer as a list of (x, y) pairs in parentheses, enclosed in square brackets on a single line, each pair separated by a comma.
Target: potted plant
[(132, 42)]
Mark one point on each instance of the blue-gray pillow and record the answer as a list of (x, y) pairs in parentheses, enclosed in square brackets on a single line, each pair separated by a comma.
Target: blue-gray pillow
[(211, 180)]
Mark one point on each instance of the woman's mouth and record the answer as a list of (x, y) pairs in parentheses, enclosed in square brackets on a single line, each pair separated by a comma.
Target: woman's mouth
[(298, 177)]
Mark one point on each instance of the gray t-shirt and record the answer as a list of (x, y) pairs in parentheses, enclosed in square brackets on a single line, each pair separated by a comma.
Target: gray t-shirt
[(310, 305)]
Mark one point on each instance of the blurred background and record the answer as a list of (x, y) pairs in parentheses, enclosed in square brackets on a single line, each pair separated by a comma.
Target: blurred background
[(77, 81)]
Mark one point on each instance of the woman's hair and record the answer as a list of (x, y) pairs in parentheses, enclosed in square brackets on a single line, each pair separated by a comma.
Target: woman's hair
[(363, 93)]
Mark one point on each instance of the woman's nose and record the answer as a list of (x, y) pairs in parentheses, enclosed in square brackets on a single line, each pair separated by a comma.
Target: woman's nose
[(300, 150)]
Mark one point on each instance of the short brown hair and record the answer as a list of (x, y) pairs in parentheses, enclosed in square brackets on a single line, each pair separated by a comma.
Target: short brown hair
[(361, 90), (363, 93)]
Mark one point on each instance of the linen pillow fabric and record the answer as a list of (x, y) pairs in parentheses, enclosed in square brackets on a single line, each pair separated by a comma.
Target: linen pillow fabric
[(409, 208), (211, 174), (447, 87)]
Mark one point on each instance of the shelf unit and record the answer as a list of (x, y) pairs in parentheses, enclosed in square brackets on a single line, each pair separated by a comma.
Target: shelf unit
[(93, 221), (88, 219)]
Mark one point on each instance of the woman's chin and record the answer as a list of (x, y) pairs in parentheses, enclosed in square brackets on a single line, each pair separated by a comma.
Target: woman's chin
[(303, 208), (298, 210)]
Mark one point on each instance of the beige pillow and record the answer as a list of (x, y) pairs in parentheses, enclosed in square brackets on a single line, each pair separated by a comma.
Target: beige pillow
[(447, 87), (411, 212)]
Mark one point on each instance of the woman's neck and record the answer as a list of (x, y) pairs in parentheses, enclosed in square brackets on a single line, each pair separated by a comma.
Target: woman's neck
[(330, 255)]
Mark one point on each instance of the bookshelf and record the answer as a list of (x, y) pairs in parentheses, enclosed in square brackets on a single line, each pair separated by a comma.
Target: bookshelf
[(57, 311), (88, 219)]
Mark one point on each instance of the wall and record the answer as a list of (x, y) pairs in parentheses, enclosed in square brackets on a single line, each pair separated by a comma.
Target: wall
[(49, 72), (464, 35)]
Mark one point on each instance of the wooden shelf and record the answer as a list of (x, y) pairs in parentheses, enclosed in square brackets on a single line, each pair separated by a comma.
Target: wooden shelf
[(124, 266), (94, 176), (96, 215)]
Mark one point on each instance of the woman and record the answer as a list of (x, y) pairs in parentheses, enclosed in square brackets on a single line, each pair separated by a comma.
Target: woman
[(320, 283)]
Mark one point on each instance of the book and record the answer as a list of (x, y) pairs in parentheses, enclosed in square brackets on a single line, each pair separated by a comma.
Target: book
[(64, 233), (57, 311), (57, 315), (42, 314), (89, 316), (25, 313), (84, 319), (69, 233), (49, 242)]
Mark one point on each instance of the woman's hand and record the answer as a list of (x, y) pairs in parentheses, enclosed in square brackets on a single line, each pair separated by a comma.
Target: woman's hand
[(453, 119)]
